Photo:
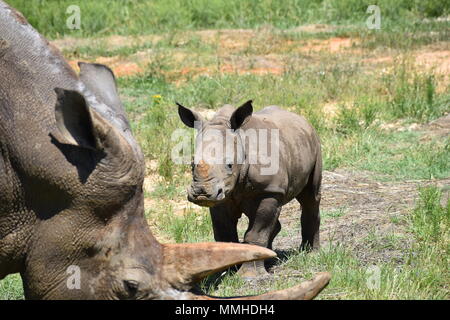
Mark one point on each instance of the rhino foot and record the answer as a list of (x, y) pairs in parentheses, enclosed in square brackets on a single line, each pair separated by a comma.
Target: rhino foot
[(252, 270)]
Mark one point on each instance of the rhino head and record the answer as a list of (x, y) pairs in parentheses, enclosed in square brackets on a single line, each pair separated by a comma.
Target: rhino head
[(219, 153)]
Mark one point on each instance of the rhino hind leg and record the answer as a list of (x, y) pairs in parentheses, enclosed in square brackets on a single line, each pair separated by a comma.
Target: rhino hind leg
[(309, 199), (310, 221), (274, 233)]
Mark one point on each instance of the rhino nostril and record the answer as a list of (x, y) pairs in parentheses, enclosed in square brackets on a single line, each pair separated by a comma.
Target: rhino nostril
[(131, 286), (219, 192), (199, 191)]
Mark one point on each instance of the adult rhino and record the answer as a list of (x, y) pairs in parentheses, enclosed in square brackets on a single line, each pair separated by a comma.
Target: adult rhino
[(254, 163), (71, 178)]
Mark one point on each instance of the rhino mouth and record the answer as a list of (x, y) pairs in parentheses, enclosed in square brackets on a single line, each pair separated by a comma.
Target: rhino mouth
[(206, 200), (205, 203)]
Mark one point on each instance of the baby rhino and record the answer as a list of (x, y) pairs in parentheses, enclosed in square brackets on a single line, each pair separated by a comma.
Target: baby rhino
[(254, 163)]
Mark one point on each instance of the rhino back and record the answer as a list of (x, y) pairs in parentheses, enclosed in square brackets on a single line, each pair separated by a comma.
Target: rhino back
[(299, 147), (29, 68)]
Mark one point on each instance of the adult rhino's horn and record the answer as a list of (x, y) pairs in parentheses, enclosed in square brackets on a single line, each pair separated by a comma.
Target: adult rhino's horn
[(307, 290), (187, 264)]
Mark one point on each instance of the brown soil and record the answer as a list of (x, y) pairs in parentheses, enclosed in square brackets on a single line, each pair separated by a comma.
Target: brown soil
[(436, 60), (112, 42), (314, 28), (329, 45)]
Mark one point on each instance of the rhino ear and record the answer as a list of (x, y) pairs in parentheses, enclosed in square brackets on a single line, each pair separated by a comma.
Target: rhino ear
[(241, 114), (74, 120), (100, 81), (188, 116)]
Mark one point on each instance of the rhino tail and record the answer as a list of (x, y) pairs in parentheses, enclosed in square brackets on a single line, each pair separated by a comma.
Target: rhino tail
[(317, 175)]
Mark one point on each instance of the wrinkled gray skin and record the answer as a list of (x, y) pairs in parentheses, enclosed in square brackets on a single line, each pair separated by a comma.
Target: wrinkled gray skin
[(230, 190), (70, 188)]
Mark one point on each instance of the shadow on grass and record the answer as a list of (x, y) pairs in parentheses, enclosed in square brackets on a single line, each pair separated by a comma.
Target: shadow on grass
[(282, 257), (213, 282)]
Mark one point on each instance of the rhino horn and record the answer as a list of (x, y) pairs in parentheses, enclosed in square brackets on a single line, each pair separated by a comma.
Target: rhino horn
[(184, 265), (187, 264), (307, 290)]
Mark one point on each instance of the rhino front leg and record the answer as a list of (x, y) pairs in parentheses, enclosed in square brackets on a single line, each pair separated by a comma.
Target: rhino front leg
[(262, 229), (224, 220)]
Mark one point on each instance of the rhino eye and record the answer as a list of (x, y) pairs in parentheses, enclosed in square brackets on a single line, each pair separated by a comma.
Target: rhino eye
[(229, 166)]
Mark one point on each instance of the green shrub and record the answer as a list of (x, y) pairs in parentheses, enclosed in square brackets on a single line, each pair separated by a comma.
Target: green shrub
[(430, 219)]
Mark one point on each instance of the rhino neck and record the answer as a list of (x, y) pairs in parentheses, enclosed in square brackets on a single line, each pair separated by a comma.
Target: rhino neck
[(16, 222), (242, 179)]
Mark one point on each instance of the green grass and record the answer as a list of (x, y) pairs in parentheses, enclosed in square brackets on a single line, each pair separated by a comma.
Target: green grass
[(11, 288), (430, 221), (100, 48), (191, 226), (137, 17), (398, 155), (331, 214)]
